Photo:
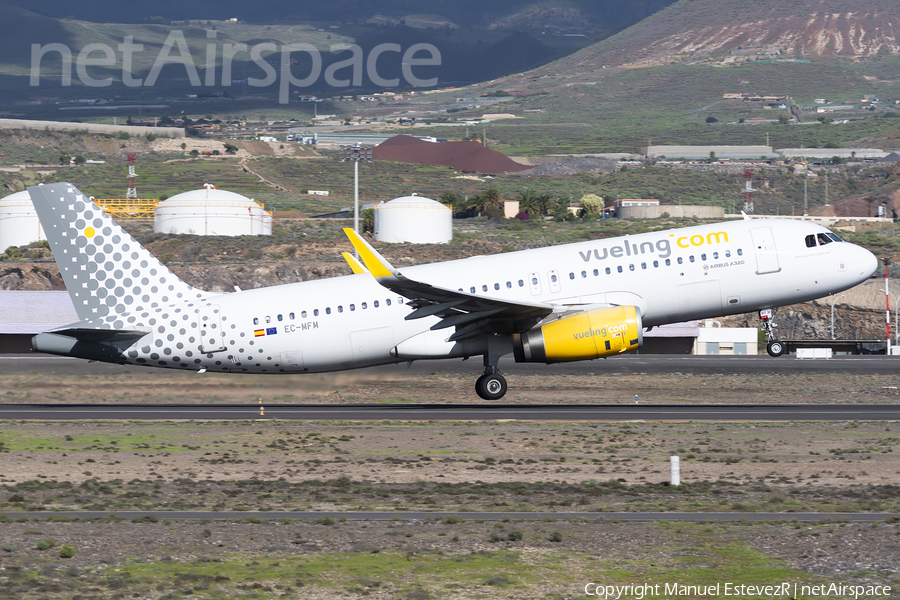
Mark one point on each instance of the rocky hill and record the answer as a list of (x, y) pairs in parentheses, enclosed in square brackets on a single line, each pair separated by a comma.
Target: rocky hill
[(699, 29)]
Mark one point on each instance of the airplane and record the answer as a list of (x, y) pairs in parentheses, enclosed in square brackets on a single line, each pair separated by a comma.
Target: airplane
[(572, 302)]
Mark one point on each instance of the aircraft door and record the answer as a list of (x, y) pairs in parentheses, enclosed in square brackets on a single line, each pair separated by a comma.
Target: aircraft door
[(212, 337), (553, 276), (766, 253), (534, 280)]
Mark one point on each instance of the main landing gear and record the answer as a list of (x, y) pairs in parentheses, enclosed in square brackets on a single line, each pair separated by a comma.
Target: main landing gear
[(773, 346), (491, 385)]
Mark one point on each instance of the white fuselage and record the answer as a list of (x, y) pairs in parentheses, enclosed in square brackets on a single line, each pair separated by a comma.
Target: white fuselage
[(353, 321)]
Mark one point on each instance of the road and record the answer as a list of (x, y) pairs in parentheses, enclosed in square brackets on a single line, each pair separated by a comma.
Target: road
[(695, 517), (632, 364), (453, 412)]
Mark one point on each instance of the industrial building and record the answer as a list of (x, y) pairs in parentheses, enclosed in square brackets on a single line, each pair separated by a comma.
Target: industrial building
[(703, 152), (413, 219), (210, 211), (26, 314), (826, 153), (19, 223)]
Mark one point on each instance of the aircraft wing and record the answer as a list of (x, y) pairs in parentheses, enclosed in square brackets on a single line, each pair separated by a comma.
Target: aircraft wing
[(471, 314)]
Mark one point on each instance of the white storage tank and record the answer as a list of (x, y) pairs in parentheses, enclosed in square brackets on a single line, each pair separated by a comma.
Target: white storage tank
[(210, 211), (19, 223), (413, 219)]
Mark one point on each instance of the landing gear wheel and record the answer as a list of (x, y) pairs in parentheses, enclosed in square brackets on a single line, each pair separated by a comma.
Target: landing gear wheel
[(478, 383), (491, 386), (775, 348)]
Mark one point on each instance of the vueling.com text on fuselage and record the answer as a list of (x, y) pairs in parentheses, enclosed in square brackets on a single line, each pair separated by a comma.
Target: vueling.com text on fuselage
[(663, 246)]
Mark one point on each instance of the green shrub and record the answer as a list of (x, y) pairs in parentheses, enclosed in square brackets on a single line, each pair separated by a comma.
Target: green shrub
[(66, 551), (556, 536), (45, 544)]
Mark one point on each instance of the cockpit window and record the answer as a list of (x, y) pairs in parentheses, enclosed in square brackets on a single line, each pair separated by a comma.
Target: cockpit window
[(811, 241), (824, 239), (834, 237)]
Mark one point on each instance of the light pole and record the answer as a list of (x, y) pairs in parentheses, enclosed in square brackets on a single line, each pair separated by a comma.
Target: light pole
[(887, 302), (896, 318), (355, 153), (833, 300)]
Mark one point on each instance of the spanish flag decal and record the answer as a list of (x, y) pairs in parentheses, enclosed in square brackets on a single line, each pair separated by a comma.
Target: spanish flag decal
[(259, 332)]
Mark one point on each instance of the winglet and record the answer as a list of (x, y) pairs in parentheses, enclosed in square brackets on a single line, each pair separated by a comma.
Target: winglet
[(357, 268), (375, 263)]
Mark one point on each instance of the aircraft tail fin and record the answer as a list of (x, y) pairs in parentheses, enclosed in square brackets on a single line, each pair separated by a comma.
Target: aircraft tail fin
[(106, 271)]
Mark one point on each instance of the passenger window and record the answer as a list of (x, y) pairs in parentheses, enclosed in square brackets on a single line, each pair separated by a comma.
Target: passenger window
[(740, 252), (509, 285), (715, 255), (728, 254), (521, 283), (400, 300), (553, 278), (388, 301), (823, 239), (364, 306), (608, 271), (571, 275), (375, 304), (352, 307), (680, 260), (668, 262), (268, 319), (340, 308), (484, 288), (256, 320), (655, 264), (472, 290), (316, 312), (534, 281), (596, 272), (496, 286), (619, 268), (631, 267), (291, 316), (303, 314), (811, 241), (583, 274), (280, 318), (327, 310), (692, 257), (643, 265), (703, 256)]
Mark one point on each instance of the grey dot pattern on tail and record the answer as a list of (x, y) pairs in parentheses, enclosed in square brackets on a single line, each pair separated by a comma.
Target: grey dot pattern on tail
[(107, 272)]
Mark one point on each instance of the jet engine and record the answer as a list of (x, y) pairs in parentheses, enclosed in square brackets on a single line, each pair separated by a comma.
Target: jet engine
[(583, 336)]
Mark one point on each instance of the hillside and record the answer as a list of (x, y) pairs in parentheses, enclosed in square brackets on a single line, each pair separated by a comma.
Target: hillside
[(700, 29)]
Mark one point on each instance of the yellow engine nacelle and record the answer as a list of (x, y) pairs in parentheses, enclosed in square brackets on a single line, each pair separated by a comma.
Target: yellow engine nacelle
[(591, 334)]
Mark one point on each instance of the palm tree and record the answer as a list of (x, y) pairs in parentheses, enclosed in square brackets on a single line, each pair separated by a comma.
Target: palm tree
[(491, 198)]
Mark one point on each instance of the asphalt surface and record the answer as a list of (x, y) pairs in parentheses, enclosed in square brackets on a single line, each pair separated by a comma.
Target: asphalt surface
[(696, 517), (452, 412), (631, 364)]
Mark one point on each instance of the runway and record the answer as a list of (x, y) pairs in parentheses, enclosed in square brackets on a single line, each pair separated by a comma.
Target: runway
[(451, 412), (643, 517), (632, 364)]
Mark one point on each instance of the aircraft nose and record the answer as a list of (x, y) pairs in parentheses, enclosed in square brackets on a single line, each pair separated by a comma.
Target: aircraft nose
[(864, 262)]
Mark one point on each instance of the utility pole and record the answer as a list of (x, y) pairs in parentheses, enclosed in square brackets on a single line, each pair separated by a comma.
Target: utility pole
[(356, 153)]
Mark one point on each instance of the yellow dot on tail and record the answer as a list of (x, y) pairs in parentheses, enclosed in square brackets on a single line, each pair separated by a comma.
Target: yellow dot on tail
[(89, 232)]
